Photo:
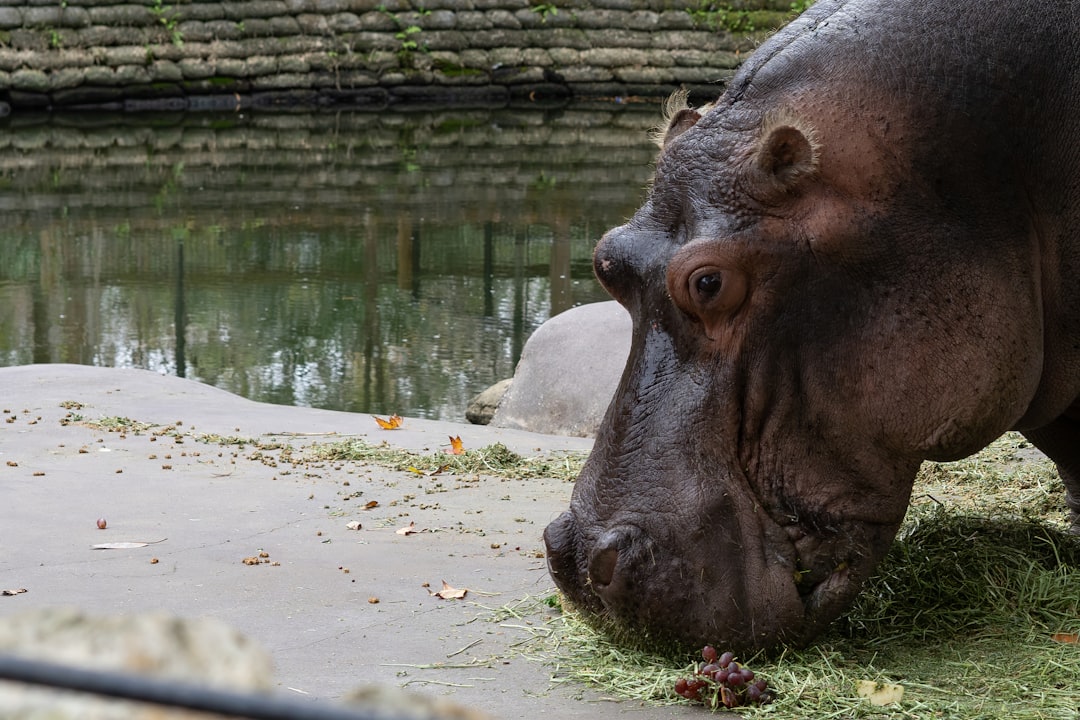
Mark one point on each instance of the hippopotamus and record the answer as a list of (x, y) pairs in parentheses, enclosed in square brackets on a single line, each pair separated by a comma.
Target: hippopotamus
[(865, 254)]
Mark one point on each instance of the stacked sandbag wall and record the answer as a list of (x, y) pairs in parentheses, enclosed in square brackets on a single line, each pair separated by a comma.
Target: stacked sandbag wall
[(192, 54)]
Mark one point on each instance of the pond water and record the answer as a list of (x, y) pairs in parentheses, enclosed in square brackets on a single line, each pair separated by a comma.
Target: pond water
[(369, 262)]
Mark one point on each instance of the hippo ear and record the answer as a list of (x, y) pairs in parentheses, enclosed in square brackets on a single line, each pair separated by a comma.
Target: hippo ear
[(683, 121), (678, 118), (787, 150)]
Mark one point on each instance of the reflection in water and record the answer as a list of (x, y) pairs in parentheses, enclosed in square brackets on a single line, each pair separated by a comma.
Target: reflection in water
[(371, 263)]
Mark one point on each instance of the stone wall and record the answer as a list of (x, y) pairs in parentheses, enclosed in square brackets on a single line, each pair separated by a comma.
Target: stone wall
[(192, 54)]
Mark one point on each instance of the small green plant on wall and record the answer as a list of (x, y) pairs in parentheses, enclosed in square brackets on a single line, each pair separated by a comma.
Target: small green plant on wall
[(544, 10), (405, 34), (168, 17)]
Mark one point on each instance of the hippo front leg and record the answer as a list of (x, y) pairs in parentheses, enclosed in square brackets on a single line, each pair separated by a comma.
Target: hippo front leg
[(1060, 440)]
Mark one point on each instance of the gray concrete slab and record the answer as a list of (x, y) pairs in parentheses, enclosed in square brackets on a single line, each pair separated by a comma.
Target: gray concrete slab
[(212, 505)]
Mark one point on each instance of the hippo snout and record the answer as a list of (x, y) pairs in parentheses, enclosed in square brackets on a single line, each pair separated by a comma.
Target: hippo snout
[(561, 554), (605, 572)]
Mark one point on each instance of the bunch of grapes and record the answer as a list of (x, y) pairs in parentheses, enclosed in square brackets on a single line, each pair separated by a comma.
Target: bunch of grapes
[(722, 681)]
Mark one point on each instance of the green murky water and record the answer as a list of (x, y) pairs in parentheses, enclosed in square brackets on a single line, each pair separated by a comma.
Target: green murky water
[(391, 262)]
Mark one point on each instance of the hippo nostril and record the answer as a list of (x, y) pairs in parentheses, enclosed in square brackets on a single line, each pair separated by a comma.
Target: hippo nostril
[(604, 558), (602, 566), (616, 266)]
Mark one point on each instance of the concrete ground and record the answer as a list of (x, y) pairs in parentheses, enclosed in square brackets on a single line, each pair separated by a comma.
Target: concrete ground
[(207, 506)]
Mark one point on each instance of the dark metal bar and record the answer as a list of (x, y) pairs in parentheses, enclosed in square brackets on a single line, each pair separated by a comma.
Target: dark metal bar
[(178, 694)]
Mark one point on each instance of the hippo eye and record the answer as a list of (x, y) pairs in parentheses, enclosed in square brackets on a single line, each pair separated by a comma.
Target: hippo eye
[(707, 285)]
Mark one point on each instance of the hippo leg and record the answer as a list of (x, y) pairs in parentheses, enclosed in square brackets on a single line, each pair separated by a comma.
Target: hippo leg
[(1060, 440)]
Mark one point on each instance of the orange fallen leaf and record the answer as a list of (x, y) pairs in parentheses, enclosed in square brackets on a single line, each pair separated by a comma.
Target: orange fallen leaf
[(449, 592), (409, 529), (456, 446), (371, 504), (391, 423), (1070, 638)]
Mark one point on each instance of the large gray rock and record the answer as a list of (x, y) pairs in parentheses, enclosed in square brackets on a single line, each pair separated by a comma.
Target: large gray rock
[(568, 372), (482, 407)]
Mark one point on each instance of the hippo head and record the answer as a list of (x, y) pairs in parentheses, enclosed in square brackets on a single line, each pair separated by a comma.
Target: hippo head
[(797, 351)]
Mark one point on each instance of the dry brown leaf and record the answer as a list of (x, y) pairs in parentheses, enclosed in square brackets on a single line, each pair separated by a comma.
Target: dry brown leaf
[(449, 592), (371, 504), (1068, 638)]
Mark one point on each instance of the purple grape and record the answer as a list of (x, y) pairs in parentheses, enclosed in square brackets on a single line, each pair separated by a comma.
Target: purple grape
[(722, 681)]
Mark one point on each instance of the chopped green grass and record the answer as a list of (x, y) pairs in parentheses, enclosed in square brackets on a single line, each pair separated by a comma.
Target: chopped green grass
[(497, 460), (963, 613), (116, 423)]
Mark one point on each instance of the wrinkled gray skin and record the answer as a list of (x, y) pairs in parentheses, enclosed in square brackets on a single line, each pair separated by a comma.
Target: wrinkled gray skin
[(864, 255)]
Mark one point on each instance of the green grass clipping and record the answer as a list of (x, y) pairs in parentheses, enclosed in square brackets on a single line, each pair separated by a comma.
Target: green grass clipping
[(974, 612)]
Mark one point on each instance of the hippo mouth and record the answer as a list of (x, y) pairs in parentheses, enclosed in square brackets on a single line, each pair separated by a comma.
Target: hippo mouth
[(820, 563), (721, 591), (833, 560), (802, 579)]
